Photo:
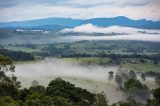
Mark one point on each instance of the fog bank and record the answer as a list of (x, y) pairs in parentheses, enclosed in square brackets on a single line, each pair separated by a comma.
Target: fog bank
[(138, 37), (90, 28), (93, 77)]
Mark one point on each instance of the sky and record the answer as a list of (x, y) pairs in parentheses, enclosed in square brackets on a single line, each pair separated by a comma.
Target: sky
[(18, 10)]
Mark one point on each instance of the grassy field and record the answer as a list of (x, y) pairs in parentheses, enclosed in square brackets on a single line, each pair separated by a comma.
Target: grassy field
[(141, 67)]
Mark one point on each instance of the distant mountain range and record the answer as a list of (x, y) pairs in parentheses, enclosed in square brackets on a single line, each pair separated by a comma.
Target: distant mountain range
[(61, 23)]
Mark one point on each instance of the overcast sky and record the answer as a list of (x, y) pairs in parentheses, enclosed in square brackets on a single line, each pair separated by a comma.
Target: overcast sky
[(15, 10)]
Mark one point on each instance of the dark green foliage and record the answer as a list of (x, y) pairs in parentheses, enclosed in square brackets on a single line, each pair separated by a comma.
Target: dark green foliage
[(38, 99), (153, 102), (75, 95), (23, 94), (60, 101), (135, 89), (39, 89), (156, 94), (133, 84), (17, 55), (8, 101), (130, 104), (9, 90), (5, 60), (142, 60), (101, 100)]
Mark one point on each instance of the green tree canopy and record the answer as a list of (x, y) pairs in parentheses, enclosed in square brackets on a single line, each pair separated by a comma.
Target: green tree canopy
[(8, 101), (38, 99), (156, 94), (75, 95)]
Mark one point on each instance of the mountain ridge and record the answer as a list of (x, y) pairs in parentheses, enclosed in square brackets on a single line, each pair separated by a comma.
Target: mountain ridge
[(60, 23)]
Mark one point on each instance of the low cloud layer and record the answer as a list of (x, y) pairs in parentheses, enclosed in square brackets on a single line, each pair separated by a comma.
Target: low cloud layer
[(60, 68), (92, 78), (123, 33), (138, 37), (89, 28)]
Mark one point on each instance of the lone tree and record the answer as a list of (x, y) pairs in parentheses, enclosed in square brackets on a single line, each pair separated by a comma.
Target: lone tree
[(137, 90), (157, 79), (133, 84), (143, 76), (110, 75), (132, 75), (119, 80)]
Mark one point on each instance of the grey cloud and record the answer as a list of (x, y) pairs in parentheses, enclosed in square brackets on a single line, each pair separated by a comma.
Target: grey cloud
[(75, 3)]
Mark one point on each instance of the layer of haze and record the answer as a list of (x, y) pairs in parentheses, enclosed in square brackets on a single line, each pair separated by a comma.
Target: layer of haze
[(90, 28), (138, 37), (123, 33), (92, 77)]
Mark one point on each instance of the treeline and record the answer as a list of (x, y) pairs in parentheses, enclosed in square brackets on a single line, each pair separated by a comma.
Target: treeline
[(17, 55), (92, 47), (60, 52), (154, 57)]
